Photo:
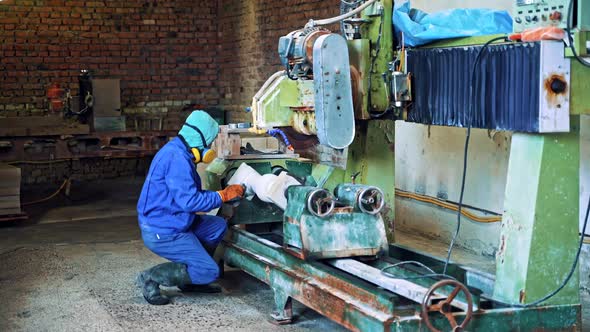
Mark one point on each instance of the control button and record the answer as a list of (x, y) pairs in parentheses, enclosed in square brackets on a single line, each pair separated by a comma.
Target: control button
[(535, 18), (544, 17), (517, 19), (555, 16), (527, 18)]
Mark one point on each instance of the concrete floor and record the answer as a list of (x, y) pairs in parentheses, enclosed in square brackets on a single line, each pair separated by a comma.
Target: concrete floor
[(80, 276), (66, 270)]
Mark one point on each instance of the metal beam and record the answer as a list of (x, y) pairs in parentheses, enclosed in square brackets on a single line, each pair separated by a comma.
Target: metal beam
[(401, 287)]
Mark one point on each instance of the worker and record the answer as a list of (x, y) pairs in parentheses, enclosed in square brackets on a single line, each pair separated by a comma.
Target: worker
[(170, 219)]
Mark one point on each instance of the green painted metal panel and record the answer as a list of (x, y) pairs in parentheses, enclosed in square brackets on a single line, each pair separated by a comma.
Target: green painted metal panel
[(372, 154), (580, 85), (327, 177), (256, 211), (555, 318), (540, 224), (269, 251), (343, 234), (326, 290), (273, 107), (380, 32), (278, 102), (260, 167), (583, 21), (299, 169)]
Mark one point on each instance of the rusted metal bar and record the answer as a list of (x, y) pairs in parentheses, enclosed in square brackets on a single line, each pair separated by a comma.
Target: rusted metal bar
[(348, 304), (105, 145), (361, 306)]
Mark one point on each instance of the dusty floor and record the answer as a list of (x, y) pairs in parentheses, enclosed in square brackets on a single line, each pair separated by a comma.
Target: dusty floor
[(80, 277)]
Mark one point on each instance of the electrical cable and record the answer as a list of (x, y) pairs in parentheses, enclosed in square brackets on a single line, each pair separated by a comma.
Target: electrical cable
[(352, 3), (332, 20), (581, 242), (567, 278), (568, 28), (466, 149), (448, 206), (432, 274), (63, 185)]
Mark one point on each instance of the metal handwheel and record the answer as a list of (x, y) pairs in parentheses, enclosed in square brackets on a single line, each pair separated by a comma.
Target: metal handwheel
[(444, 306)]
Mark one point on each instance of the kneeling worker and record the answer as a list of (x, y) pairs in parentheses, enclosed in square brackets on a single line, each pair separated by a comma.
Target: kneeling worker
[(167, 207)]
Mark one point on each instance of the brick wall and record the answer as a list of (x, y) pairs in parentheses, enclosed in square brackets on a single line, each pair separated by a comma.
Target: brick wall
[(166, 53), (163, 51), (249, 32)]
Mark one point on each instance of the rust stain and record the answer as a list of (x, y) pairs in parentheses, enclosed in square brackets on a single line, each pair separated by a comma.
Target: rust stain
[(310, 40), (522, 296), (302, 108), (555, 87), (325, 280), (346, 209), (357, 94), (502, 245)]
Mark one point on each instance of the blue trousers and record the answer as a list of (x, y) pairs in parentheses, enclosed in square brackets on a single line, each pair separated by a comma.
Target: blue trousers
[(189, 248)]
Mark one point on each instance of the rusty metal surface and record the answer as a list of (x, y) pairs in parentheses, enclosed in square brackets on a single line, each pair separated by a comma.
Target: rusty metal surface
[(444, 306), (108, 144), (360, 306), (350, 305)]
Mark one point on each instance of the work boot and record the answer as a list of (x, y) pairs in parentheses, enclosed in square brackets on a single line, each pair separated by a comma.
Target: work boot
[(166, 274), (209, 288), (150, 289)]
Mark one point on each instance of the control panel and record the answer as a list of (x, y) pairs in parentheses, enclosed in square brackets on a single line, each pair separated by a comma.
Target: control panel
[(539, 13)]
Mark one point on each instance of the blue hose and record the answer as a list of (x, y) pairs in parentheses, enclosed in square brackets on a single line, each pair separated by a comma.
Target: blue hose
[(276, 132)]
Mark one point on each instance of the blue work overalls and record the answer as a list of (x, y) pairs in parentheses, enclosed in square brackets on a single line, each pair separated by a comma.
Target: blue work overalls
[(170, 198)]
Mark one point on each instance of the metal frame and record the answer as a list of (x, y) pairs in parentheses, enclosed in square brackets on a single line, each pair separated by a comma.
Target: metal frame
[(44, 148), (360, 306)]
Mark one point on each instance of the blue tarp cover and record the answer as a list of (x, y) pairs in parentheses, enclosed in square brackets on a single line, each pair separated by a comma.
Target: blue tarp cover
[(421, 28)]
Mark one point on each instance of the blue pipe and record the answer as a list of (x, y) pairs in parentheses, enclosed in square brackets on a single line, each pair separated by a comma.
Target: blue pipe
[(275, 132)]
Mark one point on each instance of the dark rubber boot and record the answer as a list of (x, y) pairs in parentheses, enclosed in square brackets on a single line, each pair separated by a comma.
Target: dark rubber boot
[(209, 288), (150, 289), (166, 274)]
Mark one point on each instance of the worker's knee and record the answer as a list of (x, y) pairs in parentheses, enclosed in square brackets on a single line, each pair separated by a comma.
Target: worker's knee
[(203, 273), (211, 230)]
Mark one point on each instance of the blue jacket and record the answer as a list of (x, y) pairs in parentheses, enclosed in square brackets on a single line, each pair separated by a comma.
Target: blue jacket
[(172, 193)]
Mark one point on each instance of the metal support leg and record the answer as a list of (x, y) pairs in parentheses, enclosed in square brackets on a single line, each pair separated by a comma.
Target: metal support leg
[(283, 311), (540, 224)]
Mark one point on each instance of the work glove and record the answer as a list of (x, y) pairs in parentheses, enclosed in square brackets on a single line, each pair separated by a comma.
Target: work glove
[(232, 193)]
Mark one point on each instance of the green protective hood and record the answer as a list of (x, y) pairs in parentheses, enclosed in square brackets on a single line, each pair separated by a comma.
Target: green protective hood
[(206, 124)]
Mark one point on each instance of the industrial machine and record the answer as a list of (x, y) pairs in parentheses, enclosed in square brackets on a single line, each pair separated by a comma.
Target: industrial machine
[(320, 228)]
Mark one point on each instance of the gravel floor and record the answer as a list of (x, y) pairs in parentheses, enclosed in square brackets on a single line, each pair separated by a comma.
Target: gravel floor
[(73, 286), (79, 276)]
